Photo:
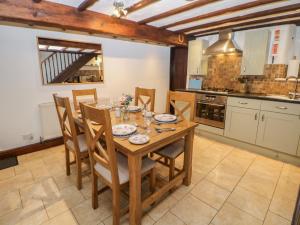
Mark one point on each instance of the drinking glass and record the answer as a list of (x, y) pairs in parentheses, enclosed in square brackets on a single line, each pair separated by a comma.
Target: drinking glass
[(148, 120)]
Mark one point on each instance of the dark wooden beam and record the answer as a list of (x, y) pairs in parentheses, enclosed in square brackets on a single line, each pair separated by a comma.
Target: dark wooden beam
[(69, 44), (37, 1), (86, 4), (49, 14), (269, 12), (293, 21), (139, 5), (196, 4), (257, 22), (233, 9)]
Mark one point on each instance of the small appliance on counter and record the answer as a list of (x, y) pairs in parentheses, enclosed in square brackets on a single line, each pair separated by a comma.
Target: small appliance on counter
[(195, 83)]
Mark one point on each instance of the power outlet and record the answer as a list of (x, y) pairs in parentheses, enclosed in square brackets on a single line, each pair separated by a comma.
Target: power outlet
[(27, 137)]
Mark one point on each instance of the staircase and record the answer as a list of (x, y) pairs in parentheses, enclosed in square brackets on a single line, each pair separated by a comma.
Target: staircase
[(61, 66)]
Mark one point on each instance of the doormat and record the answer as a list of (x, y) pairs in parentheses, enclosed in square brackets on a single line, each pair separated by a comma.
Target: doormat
[(8, 162)]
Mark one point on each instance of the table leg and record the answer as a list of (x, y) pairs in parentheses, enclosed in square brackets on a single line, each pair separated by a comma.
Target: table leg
[(135, 202), (188, 156)]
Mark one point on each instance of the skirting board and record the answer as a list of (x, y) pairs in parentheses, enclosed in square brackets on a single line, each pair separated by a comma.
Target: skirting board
[(251, 148), (32, 148)]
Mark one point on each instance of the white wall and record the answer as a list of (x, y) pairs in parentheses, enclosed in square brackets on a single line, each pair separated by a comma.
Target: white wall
[(126, 65), (239, 38)]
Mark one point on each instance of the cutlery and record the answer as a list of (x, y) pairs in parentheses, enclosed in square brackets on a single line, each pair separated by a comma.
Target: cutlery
[(160, 130), (175, 122)]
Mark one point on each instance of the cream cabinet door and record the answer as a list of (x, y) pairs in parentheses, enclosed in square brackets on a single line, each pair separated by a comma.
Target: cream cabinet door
[(241, 124), (197, 62), (255, 52), (279, 131)]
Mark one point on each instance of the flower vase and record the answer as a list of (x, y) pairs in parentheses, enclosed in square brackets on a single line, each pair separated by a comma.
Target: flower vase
[(125, 113)]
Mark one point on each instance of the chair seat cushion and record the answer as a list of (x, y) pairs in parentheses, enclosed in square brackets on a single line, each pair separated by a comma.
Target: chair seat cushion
[(172, 150), (81, 143), (147, 164)]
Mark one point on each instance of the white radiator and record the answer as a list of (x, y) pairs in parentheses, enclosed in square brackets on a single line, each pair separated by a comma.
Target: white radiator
[(49, 121)]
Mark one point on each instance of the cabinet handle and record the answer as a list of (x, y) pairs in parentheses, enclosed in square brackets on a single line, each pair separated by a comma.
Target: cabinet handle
[(281, 107), (255, 117), (244, 68), (263, 117), (197, 70), (243, 103)]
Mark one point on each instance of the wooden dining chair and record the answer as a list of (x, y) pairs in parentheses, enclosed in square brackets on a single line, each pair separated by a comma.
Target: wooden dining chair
[(144, 92), (74, 141), (175, 149), (110, 166), (83, 93)]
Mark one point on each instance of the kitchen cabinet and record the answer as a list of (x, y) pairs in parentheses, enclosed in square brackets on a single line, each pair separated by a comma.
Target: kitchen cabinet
[(255, 52), (241, 124), (270, 124), (197, 62), (279, 131)]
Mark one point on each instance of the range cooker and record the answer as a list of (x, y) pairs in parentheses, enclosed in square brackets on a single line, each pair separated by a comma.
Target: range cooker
[(211, 107)]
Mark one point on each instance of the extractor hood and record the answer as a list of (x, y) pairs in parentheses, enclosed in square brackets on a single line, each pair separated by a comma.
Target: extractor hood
[(225, 45)]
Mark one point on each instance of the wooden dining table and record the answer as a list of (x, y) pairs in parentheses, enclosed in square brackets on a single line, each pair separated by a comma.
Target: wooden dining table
[(135, 153)]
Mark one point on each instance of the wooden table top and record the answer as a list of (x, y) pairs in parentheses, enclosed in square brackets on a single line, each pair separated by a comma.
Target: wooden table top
[(157, 140)]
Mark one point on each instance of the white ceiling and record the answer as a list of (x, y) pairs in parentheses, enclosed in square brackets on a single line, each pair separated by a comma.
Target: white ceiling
[(106, 7)]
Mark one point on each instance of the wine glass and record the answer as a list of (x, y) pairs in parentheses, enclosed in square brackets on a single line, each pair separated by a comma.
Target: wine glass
[(148, 120)]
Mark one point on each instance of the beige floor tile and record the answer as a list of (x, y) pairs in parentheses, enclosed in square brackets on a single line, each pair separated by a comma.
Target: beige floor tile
[(291, 173), (283, 206), (19, 169), (7, 173), (230, 215), (13, 183), (65, 218), (273, 219), (228, 173), (9, 202), (45, 190), (164, 206), (56, 208), (86, 215), (193, 211), (168, 219), (146, 220), (182, 191), (259, 183), (33, 213), (287, 188), (250, 202), (210, 194)]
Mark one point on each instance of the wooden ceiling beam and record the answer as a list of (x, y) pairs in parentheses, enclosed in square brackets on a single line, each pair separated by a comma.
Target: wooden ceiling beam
[(37, 1), (250, 23), (294, 21), (269, 12), (68, 44), (86, 4), (196, 4), (139, 5), (49, 14), (233, 9)]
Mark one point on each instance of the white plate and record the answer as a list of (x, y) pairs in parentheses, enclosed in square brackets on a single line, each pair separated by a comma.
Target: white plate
[(133, 108), (123, 129), (103, 107), (139, 139), (165, 118)]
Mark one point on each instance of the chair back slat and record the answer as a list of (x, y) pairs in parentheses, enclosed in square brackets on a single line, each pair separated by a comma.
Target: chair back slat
[(83, 93), (141, 93), (98, 131), (188, 98), (66, 121)]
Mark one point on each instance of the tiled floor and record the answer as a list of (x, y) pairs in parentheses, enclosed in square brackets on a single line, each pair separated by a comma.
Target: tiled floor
[(229, 187)]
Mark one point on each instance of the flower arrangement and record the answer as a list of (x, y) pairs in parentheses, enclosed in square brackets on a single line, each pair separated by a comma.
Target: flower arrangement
[(125, 100)]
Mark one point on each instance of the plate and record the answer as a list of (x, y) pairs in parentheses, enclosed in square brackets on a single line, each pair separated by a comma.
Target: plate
[(139, 139), (165, 118), (123, 129), (134, 108), (103, 107)]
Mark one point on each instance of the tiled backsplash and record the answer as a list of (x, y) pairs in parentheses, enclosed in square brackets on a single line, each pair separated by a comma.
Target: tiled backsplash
[(224, 72)]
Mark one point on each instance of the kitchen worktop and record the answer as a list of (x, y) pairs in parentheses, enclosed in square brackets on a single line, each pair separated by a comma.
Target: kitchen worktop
[(245, 95)]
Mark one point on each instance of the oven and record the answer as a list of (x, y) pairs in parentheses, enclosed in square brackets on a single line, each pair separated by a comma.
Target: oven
[(211, 110)]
